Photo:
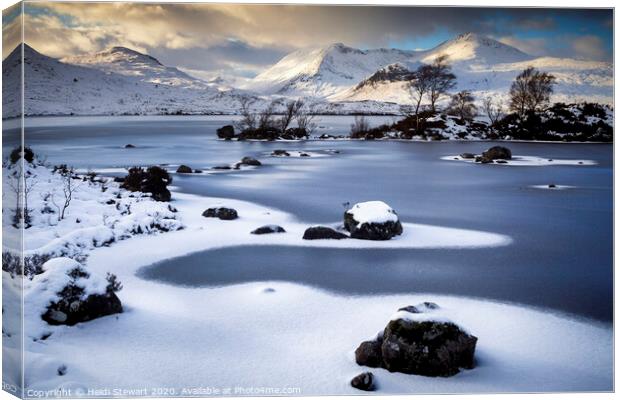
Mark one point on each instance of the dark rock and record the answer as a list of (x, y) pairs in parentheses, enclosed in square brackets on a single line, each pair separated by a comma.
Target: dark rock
[(323, 232), (429, 348), (483, 160), (498, 153), (226, 132), (430, 305), (371, 231), (410, 309), (119, 179), (250, 161), (268, 229), (501, 162), (130, 146), (184, 169), (269, 290), (222, 167), (304, 155), (111, 201), (468, 155), (221, 213), (364, 381), (552, 186), (368, 353), (279, 153), (198, 171)]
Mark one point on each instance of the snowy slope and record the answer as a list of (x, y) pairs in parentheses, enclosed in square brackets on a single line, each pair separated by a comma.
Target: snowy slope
[(321, 72), (124, 61), (53, 87)]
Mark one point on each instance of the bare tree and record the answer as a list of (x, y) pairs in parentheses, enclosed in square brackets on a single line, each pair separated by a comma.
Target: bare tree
[(419, 86), (442, 79), (359, 126), (29, 184), (266, 117), (305, 119), (68, 189), (291, 110), (248, 118), (462, 104), (530, 91), (493, 110)]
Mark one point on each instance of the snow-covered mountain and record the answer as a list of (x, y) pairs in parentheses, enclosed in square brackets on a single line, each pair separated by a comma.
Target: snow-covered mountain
[(322, 72), (107, 83), (127, 62), (337, 78), (482, 65)]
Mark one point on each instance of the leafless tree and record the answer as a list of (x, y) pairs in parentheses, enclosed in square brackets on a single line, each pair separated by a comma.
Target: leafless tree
[(291, 109), (248, 118), (441, 79), (493, 110), (68, 189), (266, 116), (305, 119), (530, 91), (419, 86), (359, 126), (462, 104), (29, 183)]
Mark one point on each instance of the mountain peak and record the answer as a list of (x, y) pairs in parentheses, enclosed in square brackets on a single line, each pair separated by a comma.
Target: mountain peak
[(470, 45)]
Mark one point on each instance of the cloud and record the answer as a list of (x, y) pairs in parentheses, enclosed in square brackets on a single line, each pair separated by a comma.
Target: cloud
[(535, 46), (242, 39), (590, 47)]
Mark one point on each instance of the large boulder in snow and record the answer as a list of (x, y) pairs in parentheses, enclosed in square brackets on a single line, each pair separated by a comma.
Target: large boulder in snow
[(418, 343), (323, 232), (69, 294), (221, 213), (372, 220), (497, 153)]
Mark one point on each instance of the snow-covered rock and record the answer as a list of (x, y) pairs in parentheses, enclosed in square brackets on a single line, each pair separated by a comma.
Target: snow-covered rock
[(420, 344), (372, 220)]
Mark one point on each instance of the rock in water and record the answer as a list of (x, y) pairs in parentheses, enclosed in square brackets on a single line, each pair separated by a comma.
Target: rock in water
[(221, 213), (468, 155), (280, 153), (226, 132), (323, 232), (372, 220), (250, 161), (418, 344), (497, 153), (364, 381), (268, 229), (130, 146), (184, 169)]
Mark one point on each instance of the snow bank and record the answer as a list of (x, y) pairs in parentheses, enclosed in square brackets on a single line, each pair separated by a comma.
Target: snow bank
[(525, 161), (240, 336)]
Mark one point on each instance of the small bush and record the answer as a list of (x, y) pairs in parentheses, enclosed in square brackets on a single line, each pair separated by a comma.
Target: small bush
[(16, 154)]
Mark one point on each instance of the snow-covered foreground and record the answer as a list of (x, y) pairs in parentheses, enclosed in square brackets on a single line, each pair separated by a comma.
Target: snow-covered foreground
[(299, 337), (525, 161), (295, 339)]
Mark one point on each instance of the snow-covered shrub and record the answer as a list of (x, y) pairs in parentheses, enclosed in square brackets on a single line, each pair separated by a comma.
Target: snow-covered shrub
[(67, 294), (16, 154)]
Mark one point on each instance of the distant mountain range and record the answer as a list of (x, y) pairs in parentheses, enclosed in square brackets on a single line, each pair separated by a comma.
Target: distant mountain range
[(337, 78)]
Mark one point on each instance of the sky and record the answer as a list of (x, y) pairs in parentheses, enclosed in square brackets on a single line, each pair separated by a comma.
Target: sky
[(210, 40)]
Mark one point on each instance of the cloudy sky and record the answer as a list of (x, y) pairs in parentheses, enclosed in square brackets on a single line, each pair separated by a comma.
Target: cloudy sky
[(242, 40)]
